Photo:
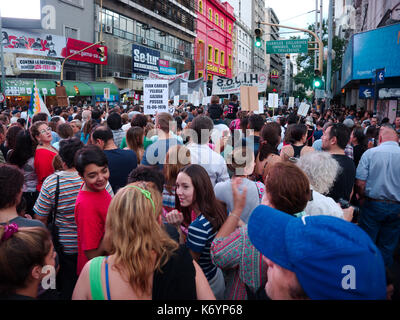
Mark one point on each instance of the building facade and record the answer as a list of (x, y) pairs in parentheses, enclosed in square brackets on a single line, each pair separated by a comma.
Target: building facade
[(244, 48), (372, 29), (146, 36), (214, 42), (288, 83), (61, 21), (273, 62)]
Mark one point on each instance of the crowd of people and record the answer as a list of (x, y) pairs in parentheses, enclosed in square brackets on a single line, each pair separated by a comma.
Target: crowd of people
[(210, 202)]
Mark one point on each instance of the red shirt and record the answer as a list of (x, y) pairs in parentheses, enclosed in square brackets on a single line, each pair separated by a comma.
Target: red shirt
[(43, 164), (90, 217)]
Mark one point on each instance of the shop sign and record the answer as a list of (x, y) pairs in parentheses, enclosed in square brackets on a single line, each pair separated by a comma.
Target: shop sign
[(90, 55), (144, 59), (38, 65)]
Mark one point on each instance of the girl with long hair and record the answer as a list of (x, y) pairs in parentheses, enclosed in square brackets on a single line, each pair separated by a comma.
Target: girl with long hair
[(270, 138), (195, 193), (134, 140), (144, 262), (23, 157)]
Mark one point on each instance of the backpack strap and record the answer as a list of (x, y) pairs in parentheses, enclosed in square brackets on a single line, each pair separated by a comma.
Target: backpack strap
[(95, 278)]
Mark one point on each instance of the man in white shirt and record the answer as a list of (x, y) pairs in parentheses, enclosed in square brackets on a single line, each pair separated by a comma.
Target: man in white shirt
[(202, 154)]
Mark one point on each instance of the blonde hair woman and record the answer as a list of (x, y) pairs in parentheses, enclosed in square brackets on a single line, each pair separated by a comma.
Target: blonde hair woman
[(144, 262)]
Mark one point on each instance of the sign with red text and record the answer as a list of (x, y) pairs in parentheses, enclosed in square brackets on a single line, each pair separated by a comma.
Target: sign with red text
[(30, 65), (90, 55)]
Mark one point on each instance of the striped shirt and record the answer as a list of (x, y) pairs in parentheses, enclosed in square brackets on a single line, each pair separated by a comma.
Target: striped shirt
[(200, 237), (70, 184), (168, 198)]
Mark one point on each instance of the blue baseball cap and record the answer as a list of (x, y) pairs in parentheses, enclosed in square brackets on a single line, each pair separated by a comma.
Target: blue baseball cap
[(332, 258)]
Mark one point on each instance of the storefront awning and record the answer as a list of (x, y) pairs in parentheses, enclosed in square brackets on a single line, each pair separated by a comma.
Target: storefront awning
[(23, 87)]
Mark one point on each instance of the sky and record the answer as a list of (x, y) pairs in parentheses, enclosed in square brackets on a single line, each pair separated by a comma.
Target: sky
[(286, 10), (28, 9)]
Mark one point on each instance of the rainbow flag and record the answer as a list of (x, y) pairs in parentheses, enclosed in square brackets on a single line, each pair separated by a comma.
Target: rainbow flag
[(37, 104)]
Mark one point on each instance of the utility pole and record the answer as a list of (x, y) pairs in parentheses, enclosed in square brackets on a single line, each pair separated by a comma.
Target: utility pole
[(329, 65), (316, 28), (3, 72)]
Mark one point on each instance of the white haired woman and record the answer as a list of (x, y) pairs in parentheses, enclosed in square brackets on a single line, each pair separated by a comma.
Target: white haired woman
[(322, 169)]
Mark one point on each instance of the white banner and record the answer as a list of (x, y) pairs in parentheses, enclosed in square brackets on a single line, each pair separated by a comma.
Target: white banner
[(38, 65), (231, 86), (155, 96), (19, 41), (170, 77)]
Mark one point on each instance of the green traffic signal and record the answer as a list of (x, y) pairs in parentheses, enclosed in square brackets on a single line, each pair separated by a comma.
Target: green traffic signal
[(318, 83), (258, 43)]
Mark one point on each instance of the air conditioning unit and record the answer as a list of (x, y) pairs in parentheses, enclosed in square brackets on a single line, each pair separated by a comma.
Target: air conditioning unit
[(116, 74), (175, 51), (144, 41), (181, 53), (158, 45), (108, 29)]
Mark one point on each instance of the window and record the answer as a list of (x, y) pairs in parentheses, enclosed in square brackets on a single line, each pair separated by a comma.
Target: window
[(209, 76), (222, 23), (222, 59), (210, 14), (210, 52), (216, 19), (216, 56), (229, 28), (230, 62), (201, 6), (70, 32), (200, 74)]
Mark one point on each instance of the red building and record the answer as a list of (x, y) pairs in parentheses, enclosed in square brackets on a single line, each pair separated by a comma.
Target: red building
[(215, 22)]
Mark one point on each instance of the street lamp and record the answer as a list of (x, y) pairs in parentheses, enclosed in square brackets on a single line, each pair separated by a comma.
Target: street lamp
[(205, 51)]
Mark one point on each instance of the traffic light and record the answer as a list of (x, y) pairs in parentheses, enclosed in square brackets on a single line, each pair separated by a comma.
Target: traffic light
[(318, 82), (101, 51), (258, 34)]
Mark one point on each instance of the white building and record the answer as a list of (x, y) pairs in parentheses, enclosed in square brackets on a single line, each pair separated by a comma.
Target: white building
[(244, 47)]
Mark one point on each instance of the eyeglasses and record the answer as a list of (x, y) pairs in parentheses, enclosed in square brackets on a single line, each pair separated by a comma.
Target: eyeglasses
[(45, 130)]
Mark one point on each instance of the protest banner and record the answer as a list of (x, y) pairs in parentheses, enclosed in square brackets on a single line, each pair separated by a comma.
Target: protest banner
[(232, 86), (155, 96)]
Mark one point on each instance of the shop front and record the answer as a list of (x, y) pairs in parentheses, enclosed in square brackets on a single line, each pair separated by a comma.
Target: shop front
[(18, 91)]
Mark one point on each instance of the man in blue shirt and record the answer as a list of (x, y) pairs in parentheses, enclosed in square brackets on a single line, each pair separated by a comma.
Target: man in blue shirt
[(378, 182)]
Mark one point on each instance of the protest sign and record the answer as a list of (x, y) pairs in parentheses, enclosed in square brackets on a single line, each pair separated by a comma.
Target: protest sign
[(184, 88), (249, 98), (176, 101), (303, 110), (291, 102), (155, 96), (273, 100)]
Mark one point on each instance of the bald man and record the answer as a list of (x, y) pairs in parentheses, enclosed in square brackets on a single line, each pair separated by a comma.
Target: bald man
[(378, 183)]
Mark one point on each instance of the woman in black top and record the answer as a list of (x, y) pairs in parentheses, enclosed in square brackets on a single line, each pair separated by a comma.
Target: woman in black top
[(359, 143)]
